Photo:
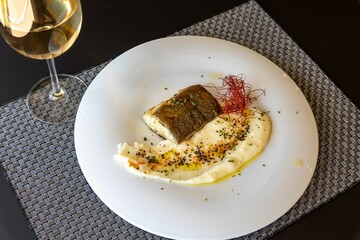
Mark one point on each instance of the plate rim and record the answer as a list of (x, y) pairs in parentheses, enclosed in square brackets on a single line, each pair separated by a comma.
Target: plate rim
[(201, 38)]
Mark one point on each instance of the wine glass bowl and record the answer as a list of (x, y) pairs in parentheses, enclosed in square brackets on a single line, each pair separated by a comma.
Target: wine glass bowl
[(44, 30)]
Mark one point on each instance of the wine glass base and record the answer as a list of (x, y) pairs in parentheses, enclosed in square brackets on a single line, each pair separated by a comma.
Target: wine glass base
[(44, 106)]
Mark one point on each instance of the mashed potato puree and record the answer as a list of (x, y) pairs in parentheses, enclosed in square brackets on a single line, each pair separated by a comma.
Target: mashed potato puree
[(221, 147)]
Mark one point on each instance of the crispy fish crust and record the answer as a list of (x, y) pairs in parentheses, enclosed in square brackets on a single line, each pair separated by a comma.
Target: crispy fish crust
[(179, 117)]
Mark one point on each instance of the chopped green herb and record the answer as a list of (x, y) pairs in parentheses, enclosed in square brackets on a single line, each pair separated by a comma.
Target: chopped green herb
[(162, 188), (166, 88), (145, 138), (152, 159), (230, 160)]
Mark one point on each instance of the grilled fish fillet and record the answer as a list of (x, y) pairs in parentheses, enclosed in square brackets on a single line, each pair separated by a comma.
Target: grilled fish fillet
[(179, 117)]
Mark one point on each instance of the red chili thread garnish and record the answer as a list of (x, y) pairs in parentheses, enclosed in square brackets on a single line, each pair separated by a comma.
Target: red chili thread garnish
[(235, 95)]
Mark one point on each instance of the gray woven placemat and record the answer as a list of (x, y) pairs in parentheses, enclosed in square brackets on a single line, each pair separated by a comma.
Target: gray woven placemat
[(41, 165)]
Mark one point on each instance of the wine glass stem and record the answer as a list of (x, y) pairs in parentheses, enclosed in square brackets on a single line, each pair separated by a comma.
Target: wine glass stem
[(57, 92)]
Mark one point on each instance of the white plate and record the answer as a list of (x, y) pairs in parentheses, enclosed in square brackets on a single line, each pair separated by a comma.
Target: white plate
[(111, 112)]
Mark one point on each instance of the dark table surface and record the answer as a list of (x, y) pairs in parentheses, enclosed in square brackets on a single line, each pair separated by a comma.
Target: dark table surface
[(329, 31)]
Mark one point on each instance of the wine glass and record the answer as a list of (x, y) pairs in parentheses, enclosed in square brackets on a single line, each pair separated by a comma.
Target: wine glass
[(44, 29)]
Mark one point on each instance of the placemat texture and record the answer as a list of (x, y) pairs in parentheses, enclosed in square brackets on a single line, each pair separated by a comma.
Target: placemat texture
[(40, 160)]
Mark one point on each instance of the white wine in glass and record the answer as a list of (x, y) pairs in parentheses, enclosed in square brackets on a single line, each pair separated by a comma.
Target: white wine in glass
[(44, 29)]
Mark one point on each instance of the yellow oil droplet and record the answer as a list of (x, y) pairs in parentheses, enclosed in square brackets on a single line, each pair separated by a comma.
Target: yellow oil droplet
[(215, 75), (190, 166), (299, 162)]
